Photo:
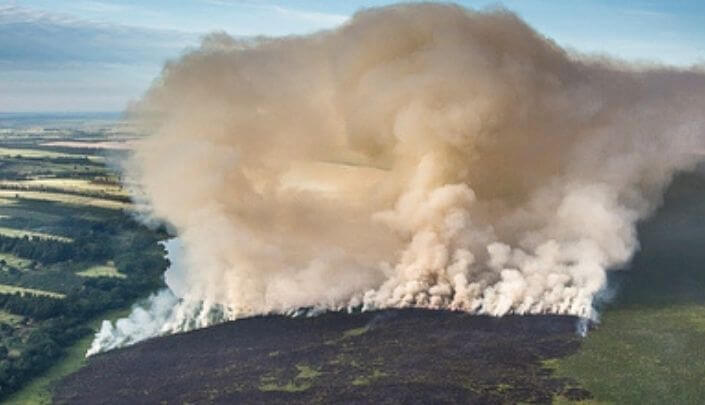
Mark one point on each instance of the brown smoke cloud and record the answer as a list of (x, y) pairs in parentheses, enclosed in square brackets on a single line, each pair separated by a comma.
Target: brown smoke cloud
[(419, 155)]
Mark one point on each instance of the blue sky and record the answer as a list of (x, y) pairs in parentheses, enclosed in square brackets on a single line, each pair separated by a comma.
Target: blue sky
[(96, 55)]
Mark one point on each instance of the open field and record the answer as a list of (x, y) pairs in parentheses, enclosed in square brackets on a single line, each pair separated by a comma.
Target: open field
[(106, 270), (8, 318), (650, 345), (44, 154), (67, 184), (117, 145), (21, 233), (643, 356), (11, 289), (65, 199), (14, 261), (22, 169), (49, 216)]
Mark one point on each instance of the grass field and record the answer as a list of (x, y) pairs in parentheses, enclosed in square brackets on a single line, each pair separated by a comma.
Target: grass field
[(65, 199), (106, 270), (649, 347), (48, 216), (10, 319), (118, 144), (11, 289), (20, 233), (47, 154), (68, 184), (644, 356), (14, 261), (28, 169)]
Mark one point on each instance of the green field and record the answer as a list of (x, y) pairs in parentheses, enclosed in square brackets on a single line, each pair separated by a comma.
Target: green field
[(67, 184), (104, 270), (649, 347), (72, 199), (644, 356), (20, 233), (10, 319), (14, 261), (43, 154), (11, 289)]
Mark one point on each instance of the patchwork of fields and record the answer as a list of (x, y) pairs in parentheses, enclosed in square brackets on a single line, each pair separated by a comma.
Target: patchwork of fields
[(70, 249)]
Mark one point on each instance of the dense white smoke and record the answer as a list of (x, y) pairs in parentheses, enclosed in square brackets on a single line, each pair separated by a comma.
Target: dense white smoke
[(419, 155)]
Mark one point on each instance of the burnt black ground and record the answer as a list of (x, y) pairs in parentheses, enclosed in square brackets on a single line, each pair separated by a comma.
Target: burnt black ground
[(392, 356)]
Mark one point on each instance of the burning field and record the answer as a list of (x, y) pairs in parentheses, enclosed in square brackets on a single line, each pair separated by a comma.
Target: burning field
[(649, 346), (419, 157)]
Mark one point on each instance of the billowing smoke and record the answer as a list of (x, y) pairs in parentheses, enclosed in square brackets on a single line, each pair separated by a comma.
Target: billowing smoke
[(419, 155)]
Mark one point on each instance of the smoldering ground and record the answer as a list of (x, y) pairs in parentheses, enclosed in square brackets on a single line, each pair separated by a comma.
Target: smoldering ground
[(419, 155)]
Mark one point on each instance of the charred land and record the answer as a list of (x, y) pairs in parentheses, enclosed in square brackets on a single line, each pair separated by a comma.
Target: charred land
[(390, 356)]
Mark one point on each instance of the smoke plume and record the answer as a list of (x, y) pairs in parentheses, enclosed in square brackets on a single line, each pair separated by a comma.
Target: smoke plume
[(419, 155)]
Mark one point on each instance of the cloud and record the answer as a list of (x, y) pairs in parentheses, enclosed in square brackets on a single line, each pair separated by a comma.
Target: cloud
[(310, 16), (54, 61), (35, 39), (100, 6), (316, 18)]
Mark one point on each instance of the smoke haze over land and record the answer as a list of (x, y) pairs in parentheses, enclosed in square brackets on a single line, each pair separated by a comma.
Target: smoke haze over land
[(419, 155)]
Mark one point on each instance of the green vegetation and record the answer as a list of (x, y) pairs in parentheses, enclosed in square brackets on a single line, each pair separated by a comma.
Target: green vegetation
[(354, 332), (306, 372), (643, 355), (41, 154), (11, 289), (107, 270), (10, 319), (70, 251), (301, 382), (64, 198), (7, 259), (561, 400), (649, 347), (20, 233), (70, 185), (291, 386), (367, 379), (38, 391), (348, 334)]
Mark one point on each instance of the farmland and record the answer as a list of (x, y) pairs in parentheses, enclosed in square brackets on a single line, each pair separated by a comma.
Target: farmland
[(70, 248)]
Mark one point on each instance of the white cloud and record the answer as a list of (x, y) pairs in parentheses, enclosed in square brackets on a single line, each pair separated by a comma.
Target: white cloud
[(310, 16), (314, 17), (54, 62)]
